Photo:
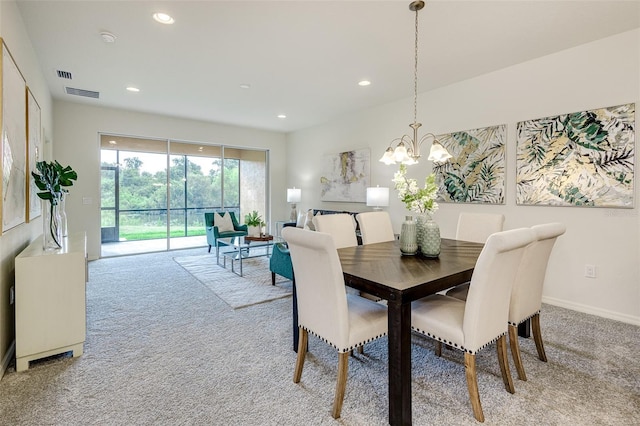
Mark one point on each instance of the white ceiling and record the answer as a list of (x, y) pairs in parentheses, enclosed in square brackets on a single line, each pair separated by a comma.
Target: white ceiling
[(302, 58)]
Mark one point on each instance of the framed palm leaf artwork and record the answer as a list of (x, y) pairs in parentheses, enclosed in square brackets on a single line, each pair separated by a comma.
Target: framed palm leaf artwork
[(476, 171), (579, 159)]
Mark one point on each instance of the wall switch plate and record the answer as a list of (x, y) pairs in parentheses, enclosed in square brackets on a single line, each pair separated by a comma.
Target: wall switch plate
[(590, 271)]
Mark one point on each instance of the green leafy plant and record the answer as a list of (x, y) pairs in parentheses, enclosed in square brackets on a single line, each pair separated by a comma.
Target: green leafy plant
[(51, 180), (416, 199), (253, 219)]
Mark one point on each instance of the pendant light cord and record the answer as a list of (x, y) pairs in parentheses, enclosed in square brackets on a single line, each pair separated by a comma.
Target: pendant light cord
[(415, 75)]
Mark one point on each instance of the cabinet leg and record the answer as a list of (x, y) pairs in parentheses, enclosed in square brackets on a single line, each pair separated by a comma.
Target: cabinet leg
[(78, 350), (22, 364)]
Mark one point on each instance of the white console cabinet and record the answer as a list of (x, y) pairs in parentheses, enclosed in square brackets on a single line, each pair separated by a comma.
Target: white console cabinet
[(50, 301)]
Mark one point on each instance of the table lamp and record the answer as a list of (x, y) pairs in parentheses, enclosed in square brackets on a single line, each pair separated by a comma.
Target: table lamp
[(377, 197), (294, 195)]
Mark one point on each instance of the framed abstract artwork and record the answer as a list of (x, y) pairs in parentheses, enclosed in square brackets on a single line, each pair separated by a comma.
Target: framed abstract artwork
[(14, 142), (476, 171), (346, 176), (34, 149), (579, 159)]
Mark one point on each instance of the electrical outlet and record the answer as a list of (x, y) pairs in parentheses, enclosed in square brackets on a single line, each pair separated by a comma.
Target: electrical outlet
[(12, 295), (590, 271)]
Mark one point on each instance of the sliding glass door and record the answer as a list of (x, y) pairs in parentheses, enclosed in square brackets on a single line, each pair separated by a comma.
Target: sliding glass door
[(152, 210)]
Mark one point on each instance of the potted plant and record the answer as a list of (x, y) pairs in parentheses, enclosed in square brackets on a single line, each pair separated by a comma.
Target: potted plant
[(51, 179), (254, 222)]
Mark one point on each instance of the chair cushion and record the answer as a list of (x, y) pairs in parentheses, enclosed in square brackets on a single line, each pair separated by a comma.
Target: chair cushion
[(223, 222), (228, 234), (366, 319), (439, 317)]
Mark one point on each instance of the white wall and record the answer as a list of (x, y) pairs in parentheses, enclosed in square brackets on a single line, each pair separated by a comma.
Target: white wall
[(14, 240), (76, 132), (599, 74)]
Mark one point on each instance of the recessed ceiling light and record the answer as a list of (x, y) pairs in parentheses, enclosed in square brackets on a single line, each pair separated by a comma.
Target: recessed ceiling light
[(163, 18), (133, 89), (107, 37), (282, 116), (364, 83), (245, 86)]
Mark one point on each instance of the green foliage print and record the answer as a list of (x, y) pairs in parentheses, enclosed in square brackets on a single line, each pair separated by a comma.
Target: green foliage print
[(579, 159), (475, 173)]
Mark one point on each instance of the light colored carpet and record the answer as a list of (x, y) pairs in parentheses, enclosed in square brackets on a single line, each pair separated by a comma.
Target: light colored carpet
[(238, 292), (162, 349)]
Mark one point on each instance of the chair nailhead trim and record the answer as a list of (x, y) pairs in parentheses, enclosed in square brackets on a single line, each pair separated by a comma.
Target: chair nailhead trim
[(343, 350), (529, 317), (455, 345)]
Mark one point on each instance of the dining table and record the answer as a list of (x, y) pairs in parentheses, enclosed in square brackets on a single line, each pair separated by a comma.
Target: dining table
[(382, 270)]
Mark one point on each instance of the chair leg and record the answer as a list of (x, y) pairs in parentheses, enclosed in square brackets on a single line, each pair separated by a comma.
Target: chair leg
[(537, 337), (302, 351), (472, 385), (209, 248), (343, 368), (273, 278), (515, 351), (438, 349), (501, 346)]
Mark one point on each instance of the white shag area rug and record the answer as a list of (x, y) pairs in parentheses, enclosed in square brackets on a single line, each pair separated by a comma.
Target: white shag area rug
[(238, 292)]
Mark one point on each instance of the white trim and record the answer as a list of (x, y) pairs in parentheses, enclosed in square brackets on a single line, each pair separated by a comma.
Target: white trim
[(8, 357), (604, 313)]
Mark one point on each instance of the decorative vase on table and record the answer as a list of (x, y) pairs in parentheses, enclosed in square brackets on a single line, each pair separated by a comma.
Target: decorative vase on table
[(408, 237), (430, 240), (421, 219), (52, 226)]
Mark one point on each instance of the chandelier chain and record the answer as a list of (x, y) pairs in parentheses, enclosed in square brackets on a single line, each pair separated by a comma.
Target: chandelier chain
[(415, 74)]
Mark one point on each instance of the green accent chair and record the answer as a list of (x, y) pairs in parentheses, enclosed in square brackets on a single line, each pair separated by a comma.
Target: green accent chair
[(212, 230), (280, 262)]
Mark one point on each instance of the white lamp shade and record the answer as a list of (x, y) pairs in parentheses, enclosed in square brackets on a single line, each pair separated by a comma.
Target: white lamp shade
[(400, 154), (294, 195), (377, 197), (438, 153), (388, 157)]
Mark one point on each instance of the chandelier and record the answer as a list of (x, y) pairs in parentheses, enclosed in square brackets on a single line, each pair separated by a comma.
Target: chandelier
[(407, 149)]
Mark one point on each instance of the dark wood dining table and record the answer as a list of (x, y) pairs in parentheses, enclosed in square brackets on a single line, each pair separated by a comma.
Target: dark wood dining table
[(380, 269)]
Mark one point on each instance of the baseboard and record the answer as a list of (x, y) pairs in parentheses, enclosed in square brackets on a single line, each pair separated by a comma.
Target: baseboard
[(604, 313), (8, 357)]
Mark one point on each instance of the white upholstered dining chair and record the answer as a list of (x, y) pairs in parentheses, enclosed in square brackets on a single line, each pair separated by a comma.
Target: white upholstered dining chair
[(476, 227), (375, 227), (342, 320), (340, 226), (526, 296), (482, 319)]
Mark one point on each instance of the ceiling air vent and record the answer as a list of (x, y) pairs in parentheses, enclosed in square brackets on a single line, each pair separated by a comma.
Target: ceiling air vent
[(64, 74), (82, 92)]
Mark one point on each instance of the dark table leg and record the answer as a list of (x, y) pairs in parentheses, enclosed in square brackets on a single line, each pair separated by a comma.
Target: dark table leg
[(399, 362), (296, 330), (524, 329)]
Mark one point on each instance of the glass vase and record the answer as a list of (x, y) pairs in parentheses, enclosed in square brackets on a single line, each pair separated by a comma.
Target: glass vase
[(52, 227), (430, 242), (408, 237), (63, 215)]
